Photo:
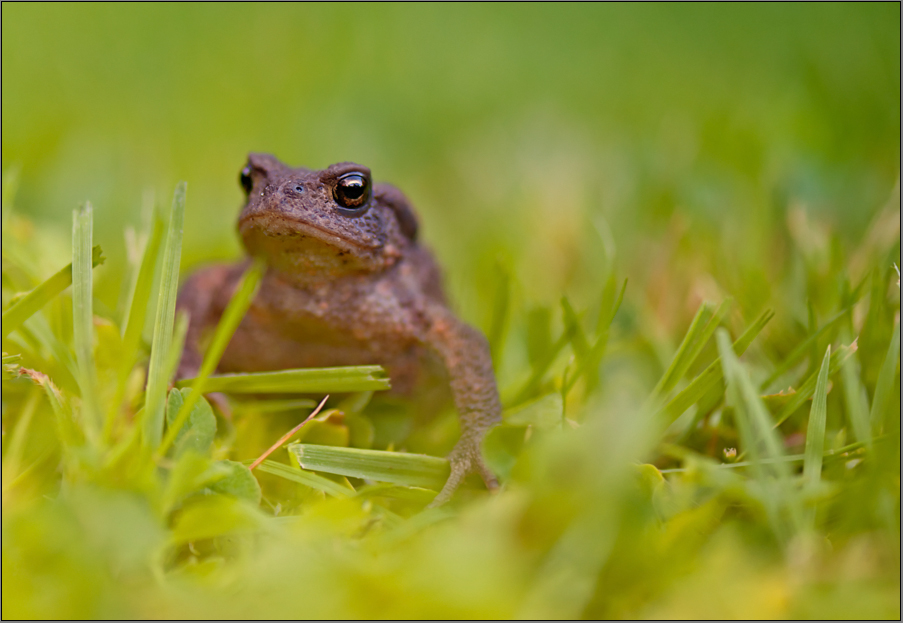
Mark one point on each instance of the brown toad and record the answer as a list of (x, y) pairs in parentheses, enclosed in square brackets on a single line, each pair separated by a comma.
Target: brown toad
[(347, 283)]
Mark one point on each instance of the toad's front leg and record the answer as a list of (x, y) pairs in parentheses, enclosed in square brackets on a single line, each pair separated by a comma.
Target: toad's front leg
[(465, 353)]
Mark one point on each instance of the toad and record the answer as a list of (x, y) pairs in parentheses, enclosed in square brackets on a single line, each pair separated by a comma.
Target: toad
[(347, 283)]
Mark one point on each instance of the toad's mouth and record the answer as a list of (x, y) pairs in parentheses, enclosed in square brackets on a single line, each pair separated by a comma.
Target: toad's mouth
[(283, 226)]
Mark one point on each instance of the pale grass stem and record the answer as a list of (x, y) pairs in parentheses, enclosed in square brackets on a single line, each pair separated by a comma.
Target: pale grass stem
[(288, 435)]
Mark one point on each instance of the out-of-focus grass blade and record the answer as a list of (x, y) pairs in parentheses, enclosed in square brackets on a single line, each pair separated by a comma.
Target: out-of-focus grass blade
[(761, 442), (416, 470), (539, 370), (829, 455), (590, 362), (708, 331), (37, 333), (715, 372), (166, 305), (138, 306), (135, 244), (807, 389), (886, 379), (609, 303), (174, 354), (579, 341), (856, 400), (815, 433), (699, 333), (669, 378), (761, 439), (813, 329), (272, 406), (83, 316), (26, 306), (567, 579), (233, 315), (791, 359), (11, 366), (12, 454), (71, 435), (298, 381), (305, 478)]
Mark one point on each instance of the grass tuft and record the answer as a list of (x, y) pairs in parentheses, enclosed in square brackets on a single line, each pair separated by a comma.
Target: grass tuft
[(166, 304), (414, 470), (298, 381), (815, 433), (34, 300)]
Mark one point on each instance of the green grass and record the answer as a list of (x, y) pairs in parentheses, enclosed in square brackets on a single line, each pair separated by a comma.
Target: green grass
[(677, 226)]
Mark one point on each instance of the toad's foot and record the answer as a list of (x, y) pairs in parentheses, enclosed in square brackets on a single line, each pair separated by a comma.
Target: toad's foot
[(464, 459)]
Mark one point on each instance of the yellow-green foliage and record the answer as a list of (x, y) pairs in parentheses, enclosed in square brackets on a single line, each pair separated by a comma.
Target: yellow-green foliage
[(721, 439)]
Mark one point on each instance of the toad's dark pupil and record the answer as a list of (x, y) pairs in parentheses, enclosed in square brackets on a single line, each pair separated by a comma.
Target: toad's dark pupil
[(352, 191), (245, 180)]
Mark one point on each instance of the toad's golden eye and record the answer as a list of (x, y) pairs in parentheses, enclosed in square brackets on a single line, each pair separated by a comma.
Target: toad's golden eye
[(245, 180), (352, 191)]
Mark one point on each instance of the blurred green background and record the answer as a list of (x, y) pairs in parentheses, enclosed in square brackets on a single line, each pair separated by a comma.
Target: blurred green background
[(702, 151), (505, 124)]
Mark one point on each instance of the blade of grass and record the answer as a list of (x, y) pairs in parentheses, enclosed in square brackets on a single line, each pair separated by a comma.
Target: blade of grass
[(829, 455), (83, 316), (540, 369), (856, 400), (761, 441), (807, 389), (306, 478), (699, 343), (232, 316), (271, 406), (566, 581), (590, 363), (885, 386), (30, 303), (166, 305), (179, 331), (579, 341), (689, 349), (12, 455), (298, 381), (136, 241), (288, 435), (813, 329), (70, 434), (607, 311), (715, 372), (815, 434), (703, 314), (709, 330), (416, 470), (753, 418), (136, 314), (36, 332), (791, 359), (11, 366)]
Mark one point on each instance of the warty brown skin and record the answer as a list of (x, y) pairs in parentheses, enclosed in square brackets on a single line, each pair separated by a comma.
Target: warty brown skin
[(345, 285)]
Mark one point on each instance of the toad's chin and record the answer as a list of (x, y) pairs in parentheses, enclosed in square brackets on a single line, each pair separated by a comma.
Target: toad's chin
[(309, 251)]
